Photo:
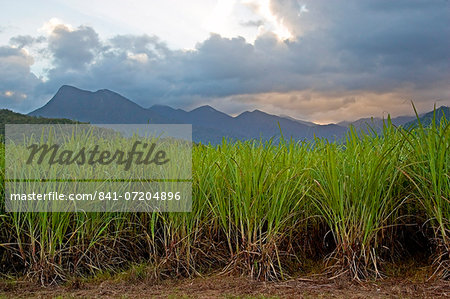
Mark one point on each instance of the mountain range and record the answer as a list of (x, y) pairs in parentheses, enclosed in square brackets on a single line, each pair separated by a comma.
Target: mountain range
[(208, 124)]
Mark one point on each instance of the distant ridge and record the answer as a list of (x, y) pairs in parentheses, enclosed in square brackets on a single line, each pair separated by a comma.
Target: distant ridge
[(208, 124), (426, 119)]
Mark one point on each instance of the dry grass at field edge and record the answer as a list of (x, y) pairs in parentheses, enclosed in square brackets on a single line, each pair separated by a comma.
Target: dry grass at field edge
[(234, 287)]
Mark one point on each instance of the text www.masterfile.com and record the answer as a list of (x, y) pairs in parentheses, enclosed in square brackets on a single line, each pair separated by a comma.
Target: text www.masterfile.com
[(100, 196)]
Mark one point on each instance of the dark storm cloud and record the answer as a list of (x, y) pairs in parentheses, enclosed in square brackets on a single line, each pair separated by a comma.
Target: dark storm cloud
[(372, 47), (390, 39)]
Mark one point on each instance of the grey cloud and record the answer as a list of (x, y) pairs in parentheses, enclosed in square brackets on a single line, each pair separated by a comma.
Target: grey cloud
[(21, 41), (255, 23), (73, 49), (152, 46)]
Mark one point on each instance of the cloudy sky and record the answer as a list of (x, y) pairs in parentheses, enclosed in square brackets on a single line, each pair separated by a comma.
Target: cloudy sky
[(322, 61)]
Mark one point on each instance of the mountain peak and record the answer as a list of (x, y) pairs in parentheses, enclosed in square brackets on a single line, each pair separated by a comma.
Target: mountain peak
[(254, 113), (68, 88), (257, 111), (205, 108)]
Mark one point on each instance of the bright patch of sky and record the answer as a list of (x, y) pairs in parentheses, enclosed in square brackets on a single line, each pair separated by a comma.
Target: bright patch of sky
[(181, 24)]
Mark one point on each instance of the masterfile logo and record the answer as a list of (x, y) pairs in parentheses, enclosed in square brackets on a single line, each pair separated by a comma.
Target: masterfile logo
[(66, 157)]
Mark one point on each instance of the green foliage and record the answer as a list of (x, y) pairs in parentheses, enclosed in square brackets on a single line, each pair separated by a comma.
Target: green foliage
[(429, 171), (427, 120), (10, 117), (256, 208), (354, 194)]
